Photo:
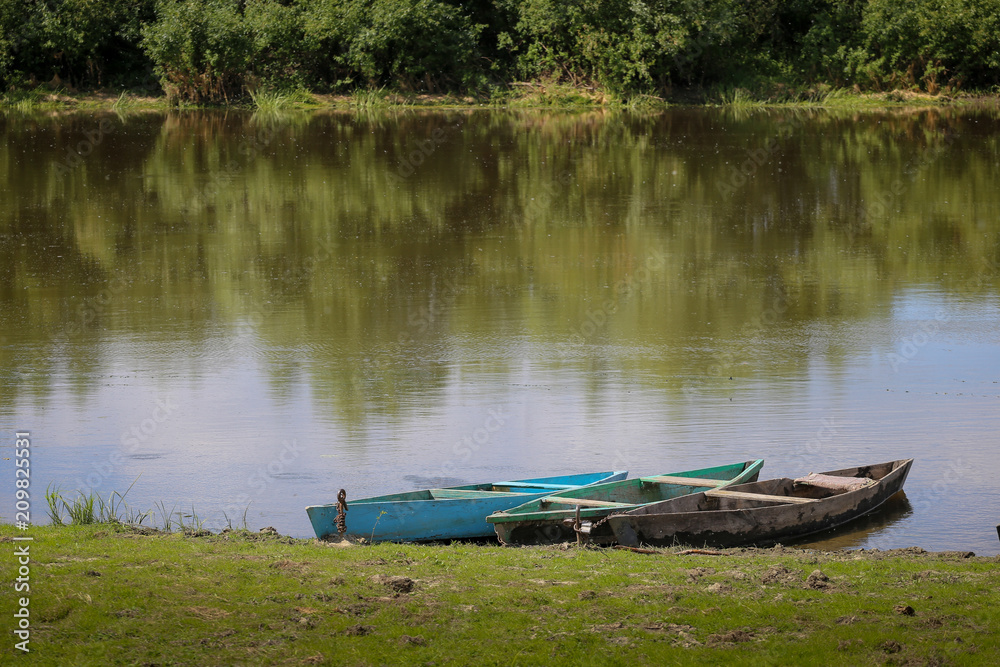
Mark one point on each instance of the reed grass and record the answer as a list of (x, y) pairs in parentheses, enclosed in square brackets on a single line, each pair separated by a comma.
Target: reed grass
[(370, 98), (123, 103), (92, 508), (738, 97), (23, 101)]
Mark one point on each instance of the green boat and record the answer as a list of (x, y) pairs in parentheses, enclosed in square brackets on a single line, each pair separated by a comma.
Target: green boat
[(552, 518)]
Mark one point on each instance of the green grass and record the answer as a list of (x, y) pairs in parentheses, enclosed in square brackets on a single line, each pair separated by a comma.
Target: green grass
[(110, 594), (275, 101), (92, 508), (23, 101), (370, 98), (739, 98), (746, 97)]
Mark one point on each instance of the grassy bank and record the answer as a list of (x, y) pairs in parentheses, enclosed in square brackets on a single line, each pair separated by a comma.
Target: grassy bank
[(527, 95), (103, 594)]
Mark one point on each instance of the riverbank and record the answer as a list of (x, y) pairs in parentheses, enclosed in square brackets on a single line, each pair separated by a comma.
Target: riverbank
[(524, 95), (106, 594)]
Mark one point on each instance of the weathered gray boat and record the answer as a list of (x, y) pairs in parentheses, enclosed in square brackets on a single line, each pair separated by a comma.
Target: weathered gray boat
[(765, 512)]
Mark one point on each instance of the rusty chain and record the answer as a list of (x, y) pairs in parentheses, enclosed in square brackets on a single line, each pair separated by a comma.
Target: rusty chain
[(577, 525), (342, 512)]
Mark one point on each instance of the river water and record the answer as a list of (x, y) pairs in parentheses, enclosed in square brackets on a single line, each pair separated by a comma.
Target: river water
[(243, 313)]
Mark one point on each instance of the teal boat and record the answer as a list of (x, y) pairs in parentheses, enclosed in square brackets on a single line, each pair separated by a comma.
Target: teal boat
[(550, 518), (457, 512)]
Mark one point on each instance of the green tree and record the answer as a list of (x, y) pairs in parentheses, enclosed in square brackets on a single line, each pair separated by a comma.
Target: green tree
[(201, 49)]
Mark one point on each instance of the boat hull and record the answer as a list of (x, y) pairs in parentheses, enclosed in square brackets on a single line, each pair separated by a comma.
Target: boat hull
[(457, 512), (703, 520), (538, 522)]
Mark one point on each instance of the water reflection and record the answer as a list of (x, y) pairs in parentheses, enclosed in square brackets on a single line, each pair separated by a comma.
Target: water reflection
[(862, 531), (350, 295)]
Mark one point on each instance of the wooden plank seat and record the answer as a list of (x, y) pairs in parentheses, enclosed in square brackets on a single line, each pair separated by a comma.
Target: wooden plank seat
[(834, 482), (744, 495), (447, 494), (584, 502), (686, 481), (534, 485)]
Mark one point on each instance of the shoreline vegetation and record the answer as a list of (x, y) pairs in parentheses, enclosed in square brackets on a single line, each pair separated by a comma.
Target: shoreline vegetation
[(99, 593), (535, 96), (272, 55)]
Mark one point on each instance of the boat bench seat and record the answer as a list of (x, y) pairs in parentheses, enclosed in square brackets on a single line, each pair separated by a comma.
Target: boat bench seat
[(584, 502), (744, 495), (685, 481), (447, 494), (834, 482), (535, 485)]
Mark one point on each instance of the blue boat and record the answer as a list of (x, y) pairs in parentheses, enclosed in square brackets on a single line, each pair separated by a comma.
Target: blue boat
[(457, 512)]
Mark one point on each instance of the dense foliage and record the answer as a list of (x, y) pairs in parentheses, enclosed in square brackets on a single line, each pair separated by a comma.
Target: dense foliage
[(217, 49)]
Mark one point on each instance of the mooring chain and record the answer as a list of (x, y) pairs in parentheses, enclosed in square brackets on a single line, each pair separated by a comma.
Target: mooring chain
[(342, 512), (578, 525)]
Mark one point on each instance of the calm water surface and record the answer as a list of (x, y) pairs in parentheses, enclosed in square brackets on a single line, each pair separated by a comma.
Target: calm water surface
[(248, 311)]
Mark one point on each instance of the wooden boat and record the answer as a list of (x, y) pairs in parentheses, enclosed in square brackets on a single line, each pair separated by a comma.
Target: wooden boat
[(764, 512), (551, 518), (441, 514)]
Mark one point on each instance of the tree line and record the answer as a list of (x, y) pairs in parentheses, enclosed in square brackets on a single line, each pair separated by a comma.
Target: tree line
[(217, 50)]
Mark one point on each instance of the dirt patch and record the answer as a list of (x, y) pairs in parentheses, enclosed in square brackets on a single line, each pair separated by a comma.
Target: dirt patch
[(731, 637), (617, 625), (778, 574), (397, 583), (891, 647), (696, 573), (336, 541), (359, 630), (412, 640), (288, 565), (817, 580)]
